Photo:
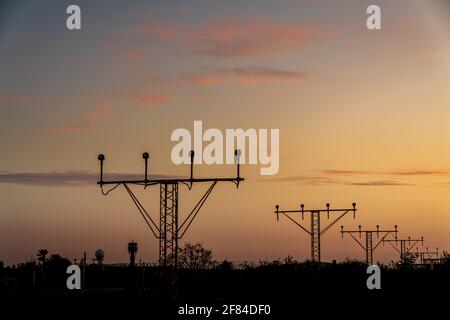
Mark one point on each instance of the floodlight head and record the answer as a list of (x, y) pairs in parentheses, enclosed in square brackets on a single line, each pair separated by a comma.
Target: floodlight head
[(328, 205), (145, 155), (277, 207), (302, 206), (191, 154), (238, 153), (101, 157)]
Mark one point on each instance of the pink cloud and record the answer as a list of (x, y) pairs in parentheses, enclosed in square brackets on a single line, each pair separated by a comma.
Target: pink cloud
[(235, 39), (244, 76), (130, 97), (88, 120), (155, 99), (132, 54), (17, 99)]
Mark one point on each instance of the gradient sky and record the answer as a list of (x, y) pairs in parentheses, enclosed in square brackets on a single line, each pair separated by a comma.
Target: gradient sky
[(363, 115)]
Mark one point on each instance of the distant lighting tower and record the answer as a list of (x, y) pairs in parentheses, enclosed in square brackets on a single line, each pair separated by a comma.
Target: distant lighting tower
[(406, 245), (315, 232), (369, 247), (132, 251), (427, 257)]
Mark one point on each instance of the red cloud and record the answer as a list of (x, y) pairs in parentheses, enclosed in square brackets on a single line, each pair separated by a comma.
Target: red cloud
[(235, 39), (16, 99), (244, 76), (132, 97), (89, 119), (155, 99), (133, 54)]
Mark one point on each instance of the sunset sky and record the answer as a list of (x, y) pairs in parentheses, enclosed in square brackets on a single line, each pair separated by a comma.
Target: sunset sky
[(364, 116)]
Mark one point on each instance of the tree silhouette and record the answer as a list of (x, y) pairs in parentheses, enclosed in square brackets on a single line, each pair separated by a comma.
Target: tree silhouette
[(55, 270), (445, 258), (42, 255), (195, 256)]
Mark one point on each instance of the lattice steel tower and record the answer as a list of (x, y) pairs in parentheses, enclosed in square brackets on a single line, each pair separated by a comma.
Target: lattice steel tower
[(315, 231), (369, 247)]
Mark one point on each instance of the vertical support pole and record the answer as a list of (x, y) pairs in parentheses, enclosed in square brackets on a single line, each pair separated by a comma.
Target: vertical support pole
[(402, 249), (168, 223), (163, 225), (315, 236), (369, 248)]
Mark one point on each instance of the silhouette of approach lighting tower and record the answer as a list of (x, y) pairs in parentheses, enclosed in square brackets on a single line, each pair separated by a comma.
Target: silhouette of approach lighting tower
[(169, 231), (132, 251), (406, 245), (369, 247), (315, 231)]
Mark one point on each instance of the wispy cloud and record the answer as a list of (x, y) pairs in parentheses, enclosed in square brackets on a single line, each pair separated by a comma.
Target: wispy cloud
[(344, 172), (323, 180), (131, 54), (400, 172), (363, 178), (131, 97), (417, 172), (69, 178), (14, 99), (378, 183), (244, 76), (230, 39), (88, 119), (155, 99), (309, 180)]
